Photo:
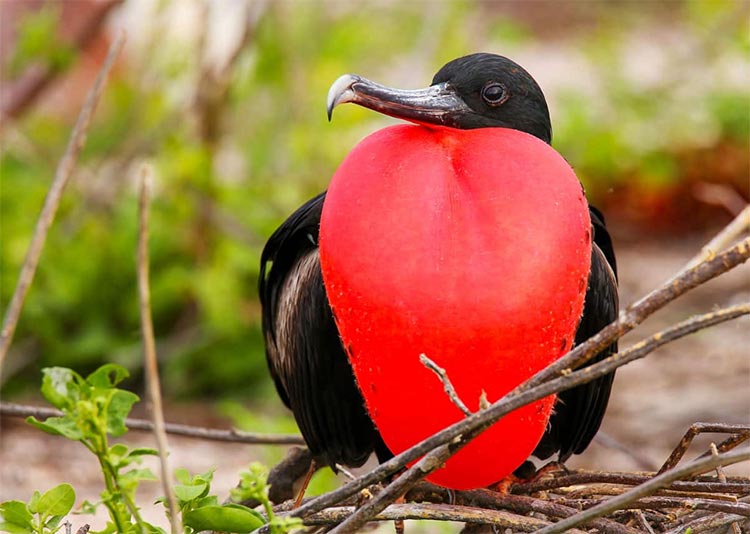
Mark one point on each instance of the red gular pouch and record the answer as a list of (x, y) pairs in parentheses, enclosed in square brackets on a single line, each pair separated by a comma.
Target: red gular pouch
[(472, 247)]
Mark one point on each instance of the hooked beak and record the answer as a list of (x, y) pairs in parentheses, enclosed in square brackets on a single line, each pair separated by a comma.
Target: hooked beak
[(434, 105)]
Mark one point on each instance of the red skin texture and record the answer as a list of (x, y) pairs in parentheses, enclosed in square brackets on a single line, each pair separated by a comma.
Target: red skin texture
[(472, 247)]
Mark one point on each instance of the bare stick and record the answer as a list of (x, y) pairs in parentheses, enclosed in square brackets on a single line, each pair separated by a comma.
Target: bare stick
[(630, 479), (232, 436), (721, 475), (433, 460), (728, 235), (656, 483), (741, 431), (149, 346), (447, 385), (519, 504), (710, 523), (685, 503), (471, 426), (437, 512), (52, 200)]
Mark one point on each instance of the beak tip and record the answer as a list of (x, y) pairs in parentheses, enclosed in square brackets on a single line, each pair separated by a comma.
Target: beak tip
[(340, 92)]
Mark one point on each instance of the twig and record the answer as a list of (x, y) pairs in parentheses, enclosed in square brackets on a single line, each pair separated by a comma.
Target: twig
[(447, 385), (234, 436), (520, 504), (643, 490), (149, 346), (437, 512), (52, 200), (644, 522), (685, 503), (728, 235), (707, 523), (636, 351), (628, 479), (742, 433), (476, 423), (433, 460), (721, 475), (629, 318)]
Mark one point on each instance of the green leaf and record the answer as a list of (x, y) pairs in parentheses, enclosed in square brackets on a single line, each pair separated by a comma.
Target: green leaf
[(89, 508), (143, 451), (118, 450), (227, 518), (186, 493), (34, 502), (59, 387), (107, 376), (58, 501), (117, 411), (182, 475), (53, 522), (14, 529), (59, 426), (16, 513)]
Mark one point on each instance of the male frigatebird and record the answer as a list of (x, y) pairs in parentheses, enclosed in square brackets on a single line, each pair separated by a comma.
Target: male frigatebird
[(464, 237)]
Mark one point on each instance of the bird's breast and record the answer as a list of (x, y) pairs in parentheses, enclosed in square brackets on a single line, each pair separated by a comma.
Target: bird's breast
[(471, 247)]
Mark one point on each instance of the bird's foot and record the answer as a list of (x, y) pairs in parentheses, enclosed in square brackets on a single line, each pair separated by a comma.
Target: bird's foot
[(552, 469), (505, 484), (305, 483)]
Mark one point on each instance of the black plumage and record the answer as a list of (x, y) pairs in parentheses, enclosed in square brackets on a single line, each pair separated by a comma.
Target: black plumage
[(305, 356)]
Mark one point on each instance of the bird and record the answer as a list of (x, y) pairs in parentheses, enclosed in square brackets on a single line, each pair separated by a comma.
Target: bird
[(322, 343)]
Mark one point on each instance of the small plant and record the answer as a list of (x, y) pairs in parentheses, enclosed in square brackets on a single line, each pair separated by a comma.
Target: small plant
[(201, 511), (254, 485), (93, 409), (41, 515)]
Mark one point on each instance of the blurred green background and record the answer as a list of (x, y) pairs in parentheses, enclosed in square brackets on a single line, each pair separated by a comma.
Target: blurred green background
[(649, 101)]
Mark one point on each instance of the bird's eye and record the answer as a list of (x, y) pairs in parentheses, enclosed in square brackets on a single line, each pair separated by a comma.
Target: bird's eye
[(494, 94)]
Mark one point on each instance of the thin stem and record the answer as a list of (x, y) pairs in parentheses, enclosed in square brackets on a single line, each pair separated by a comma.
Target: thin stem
[(149, 347), (468, 428), (52, 200), (648, 488), (233, 436)]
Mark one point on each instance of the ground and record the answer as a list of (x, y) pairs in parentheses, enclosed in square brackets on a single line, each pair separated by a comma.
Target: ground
[(705, 377)]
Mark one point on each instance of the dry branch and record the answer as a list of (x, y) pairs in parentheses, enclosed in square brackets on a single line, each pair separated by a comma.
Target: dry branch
[(52, 200), (149, 346), (468, 428), (436, 512), (580, 478), (739, 226), (554, 379), (519, 504), (233, 436), (646, 489), (742, 433), (442, 374)]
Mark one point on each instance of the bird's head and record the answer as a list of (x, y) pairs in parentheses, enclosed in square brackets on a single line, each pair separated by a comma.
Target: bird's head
[(475, 91)]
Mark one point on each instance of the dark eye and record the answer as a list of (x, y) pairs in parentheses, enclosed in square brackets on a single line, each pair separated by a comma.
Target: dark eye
[(494, 94)]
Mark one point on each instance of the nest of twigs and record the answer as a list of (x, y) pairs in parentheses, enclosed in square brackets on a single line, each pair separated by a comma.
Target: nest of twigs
[(693, 497)]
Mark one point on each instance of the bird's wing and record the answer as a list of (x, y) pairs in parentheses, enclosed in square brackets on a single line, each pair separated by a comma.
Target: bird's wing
[(579, 411), (304, 352)]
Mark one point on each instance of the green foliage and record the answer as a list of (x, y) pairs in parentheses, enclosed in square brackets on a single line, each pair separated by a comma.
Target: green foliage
[(93, 409), (254, 486), (43, 513), (218, 197), (37, 42)]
